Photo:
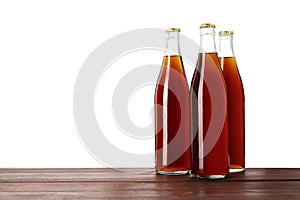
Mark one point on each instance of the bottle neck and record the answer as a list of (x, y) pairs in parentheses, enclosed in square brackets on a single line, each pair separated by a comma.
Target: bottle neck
[(172, 44), (226, 46), (207, 40)]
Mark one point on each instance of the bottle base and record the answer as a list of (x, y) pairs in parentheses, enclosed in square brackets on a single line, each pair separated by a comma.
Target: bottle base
[(172, 172), (213, 177), (236, 170)]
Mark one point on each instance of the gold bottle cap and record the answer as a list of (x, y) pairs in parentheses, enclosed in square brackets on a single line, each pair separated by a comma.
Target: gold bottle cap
[(173, 30), (207, 25), (225, 33)]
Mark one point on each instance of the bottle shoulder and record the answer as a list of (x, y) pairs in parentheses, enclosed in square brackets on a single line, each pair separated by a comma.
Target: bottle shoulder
[(173, 62), (209, 71)]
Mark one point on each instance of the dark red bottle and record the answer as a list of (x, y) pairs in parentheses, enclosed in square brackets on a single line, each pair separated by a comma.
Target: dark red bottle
[(208, 99)]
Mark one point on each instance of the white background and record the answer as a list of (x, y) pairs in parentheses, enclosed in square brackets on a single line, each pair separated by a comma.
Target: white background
[(44, 43)]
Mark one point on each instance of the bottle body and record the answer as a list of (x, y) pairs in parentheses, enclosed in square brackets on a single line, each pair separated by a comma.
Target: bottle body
[(209, 125), (236, 103), (172, 116)]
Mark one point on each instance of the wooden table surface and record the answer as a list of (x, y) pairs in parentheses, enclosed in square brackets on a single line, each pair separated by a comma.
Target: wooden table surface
[(144, 183)]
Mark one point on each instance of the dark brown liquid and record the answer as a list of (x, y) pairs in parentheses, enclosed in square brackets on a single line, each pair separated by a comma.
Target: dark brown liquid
[(209, 126), (236, 112), (172, 117)]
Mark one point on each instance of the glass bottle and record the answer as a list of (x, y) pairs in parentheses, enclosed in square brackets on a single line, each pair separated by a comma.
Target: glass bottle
[(208, 99), (236, 101), (172, 112)]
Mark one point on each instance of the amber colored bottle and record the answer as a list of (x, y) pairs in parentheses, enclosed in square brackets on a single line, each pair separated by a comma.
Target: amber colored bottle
[(172, 112), (208, 99), (236, 102)]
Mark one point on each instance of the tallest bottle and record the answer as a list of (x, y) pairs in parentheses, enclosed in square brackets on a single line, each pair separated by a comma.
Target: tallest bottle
[(208, 99)]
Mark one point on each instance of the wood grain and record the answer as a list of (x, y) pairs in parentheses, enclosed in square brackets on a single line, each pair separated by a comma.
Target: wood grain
[(144, 183)]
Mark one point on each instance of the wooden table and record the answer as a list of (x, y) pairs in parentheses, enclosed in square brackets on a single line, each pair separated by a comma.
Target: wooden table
[(144, 183)]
